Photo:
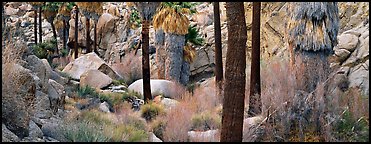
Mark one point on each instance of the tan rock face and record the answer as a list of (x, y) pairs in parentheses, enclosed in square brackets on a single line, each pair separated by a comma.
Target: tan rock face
[(95, 79)]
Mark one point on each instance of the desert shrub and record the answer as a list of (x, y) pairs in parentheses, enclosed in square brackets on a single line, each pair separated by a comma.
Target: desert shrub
[(87, 91), (151, 110), (132, 134), (178, 122), (84, 131), (64, 52), (95, 117), (44, 50), (205, 121), (119, 82), (350, 129), (96, 126), (129, 68), (158, 127)]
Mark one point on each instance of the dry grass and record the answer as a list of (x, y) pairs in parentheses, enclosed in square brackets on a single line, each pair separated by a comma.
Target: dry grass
[(294, 115), (130, 67)]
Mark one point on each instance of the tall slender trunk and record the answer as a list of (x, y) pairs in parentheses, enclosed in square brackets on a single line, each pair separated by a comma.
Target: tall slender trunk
[(218, 50), (35, 25), (160, 53), (76, 32), (88, 48), (64, 35), (174, 56), (145, 61), (95, 37), (40, 26), (255, 104), (55, 37), (235, 75)]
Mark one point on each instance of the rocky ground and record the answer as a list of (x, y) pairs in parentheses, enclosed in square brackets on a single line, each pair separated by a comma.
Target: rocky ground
[(54, 86)]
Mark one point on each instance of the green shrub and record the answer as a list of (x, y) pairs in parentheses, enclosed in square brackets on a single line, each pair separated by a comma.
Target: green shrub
[(131, 94), (205, 121), (64, 52), (43, 50), (87, 91), (150, 110), (128, 133), (94, 116), (158, 127), (119, 82), (349, 129), (84, 131)]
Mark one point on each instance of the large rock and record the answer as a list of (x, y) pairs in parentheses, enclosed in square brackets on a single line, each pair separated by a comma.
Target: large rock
[(106, 33), (342, 54), (18, 98), (95, 79), (169, 103), (158, 87), (42, 106), (104, 107), (54, 75), (153, 138), (52, 128), (56, 95), (347, 41), (35, 131), (359, 77), (90, 61), (7, 135), (206, 136), (10, 11), (37, 66)]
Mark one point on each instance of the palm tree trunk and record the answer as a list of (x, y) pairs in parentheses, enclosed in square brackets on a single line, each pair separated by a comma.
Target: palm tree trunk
[(235, 76), (160, 53), (55, 37), (76, 32), (35, 25), (145, 61), (185, 72), (218, 50), (88, 48), (174, 49), (64, 35), (255, 104), (95, 37), (40, 25)]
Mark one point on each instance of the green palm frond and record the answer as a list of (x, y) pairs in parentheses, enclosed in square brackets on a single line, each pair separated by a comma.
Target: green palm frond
[(194, 37)]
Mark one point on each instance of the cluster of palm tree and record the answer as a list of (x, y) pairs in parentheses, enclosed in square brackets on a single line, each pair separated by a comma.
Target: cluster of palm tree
[(306, 20), (90, 10)]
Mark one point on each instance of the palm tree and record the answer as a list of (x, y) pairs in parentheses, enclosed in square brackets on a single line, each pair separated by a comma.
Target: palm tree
[(40, 23), (313, 28), (88, 9), (173, 21), (218, 49), (312, 34), (50, 12), (96, 12), (255, 104), (64, 12), (160, 53), (35, 6), (235, 76), (146, 10), (76, 11)]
